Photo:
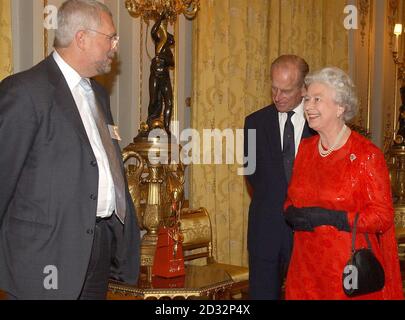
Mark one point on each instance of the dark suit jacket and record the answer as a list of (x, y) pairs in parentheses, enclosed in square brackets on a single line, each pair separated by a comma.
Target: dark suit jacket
[(269, 184), (48, 189)]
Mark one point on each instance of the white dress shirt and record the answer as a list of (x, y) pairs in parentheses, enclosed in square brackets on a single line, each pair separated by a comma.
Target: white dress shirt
[(298, 121), (106, 192)]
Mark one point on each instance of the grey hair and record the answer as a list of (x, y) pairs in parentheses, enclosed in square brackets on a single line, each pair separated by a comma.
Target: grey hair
[(340, 82), (76, 15)]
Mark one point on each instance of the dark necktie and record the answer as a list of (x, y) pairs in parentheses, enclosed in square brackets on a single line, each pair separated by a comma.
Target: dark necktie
[(106, 140), (288, 146)]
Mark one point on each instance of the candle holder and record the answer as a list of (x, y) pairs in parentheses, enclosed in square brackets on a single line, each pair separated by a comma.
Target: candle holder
[(399, 63), (156, 182), (152, 9), (396, 154)]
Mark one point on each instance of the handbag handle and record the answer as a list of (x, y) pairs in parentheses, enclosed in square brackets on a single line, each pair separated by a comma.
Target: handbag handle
[(354, 235)]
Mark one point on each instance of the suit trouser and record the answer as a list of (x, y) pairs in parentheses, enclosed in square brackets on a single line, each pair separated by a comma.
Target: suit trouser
[(96, 282), (265, 278), (267, 272)]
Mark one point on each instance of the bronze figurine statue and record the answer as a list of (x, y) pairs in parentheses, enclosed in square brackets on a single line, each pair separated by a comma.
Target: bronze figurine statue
[(160, 87)]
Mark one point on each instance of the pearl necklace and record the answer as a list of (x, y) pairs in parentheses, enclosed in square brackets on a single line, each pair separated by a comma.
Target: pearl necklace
[(324, 153)]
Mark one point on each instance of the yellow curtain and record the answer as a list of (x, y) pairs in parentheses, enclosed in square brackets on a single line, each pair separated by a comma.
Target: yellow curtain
[(6, 52), (235, 42)]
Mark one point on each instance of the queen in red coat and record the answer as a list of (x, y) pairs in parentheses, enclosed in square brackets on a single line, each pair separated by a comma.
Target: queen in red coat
[(339, 173)]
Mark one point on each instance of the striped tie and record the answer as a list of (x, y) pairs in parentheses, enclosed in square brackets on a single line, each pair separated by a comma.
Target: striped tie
[(288, 146)]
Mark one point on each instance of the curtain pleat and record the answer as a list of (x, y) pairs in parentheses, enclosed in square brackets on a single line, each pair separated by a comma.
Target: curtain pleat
[(6, 52), (235, 42)]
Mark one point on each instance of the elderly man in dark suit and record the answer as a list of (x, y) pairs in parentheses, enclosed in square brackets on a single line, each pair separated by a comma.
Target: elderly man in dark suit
[(67, 222), (279, 129)]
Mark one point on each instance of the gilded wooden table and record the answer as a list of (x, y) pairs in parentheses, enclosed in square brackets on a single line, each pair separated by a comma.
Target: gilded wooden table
[(200, 282)]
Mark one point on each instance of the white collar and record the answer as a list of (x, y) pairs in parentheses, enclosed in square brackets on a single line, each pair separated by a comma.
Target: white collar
[(71, 75), (299, 111)]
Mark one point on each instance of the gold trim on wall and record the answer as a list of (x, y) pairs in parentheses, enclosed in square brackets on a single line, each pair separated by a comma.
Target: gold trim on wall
[(140, 99), (46, 34), (370, 49), (392, 14), (175, 116), (392, 115), (395, 103), (364, 6), (363, 68)]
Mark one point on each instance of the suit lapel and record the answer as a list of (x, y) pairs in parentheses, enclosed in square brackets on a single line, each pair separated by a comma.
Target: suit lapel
[(273, 133), (272, 129), (63, 99)]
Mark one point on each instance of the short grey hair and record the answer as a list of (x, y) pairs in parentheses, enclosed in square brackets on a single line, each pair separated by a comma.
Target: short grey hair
[(340, 82), (76, 15)]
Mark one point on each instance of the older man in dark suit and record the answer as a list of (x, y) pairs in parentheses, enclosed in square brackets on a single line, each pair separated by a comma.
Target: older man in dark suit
[(279, 129), (67, 222)]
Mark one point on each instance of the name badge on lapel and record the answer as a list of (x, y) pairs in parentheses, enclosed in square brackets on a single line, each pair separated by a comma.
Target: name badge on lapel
[(114, 132)]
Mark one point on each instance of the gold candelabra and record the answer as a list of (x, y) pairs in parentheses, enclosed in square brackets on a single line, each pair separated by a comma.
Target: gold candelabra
[(151, 9), (399, 77), (401, 67), (156, 184), (399, 63), (396, 155)]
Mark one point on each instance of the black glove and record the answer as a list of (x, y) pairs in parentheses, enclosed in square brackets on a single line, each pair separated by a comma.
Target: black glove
[(298, 219), (320, 217), (307, 218)]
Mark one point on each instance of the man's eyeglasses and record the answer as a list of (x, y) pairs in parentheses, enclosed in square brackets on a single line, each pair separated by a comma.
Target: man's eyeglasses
[(113, 39)]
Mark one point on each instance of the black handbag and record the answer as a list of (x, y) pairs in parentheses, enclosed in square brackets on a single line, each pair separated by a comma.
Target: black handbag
[(363, 273)]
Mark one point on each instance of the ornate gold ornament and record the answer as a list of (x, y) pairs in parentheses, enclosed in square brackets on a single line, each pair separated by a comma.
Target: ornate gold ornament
[(151, 9), (399, 139), (399, 62), (46, 35), (156, 183), (396, 153), (364, 12), (391, 17)]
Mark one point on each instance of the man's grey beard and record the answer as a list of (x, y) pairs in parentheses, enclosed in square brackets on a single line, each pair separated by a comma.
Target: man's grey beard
[(105, 67)]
